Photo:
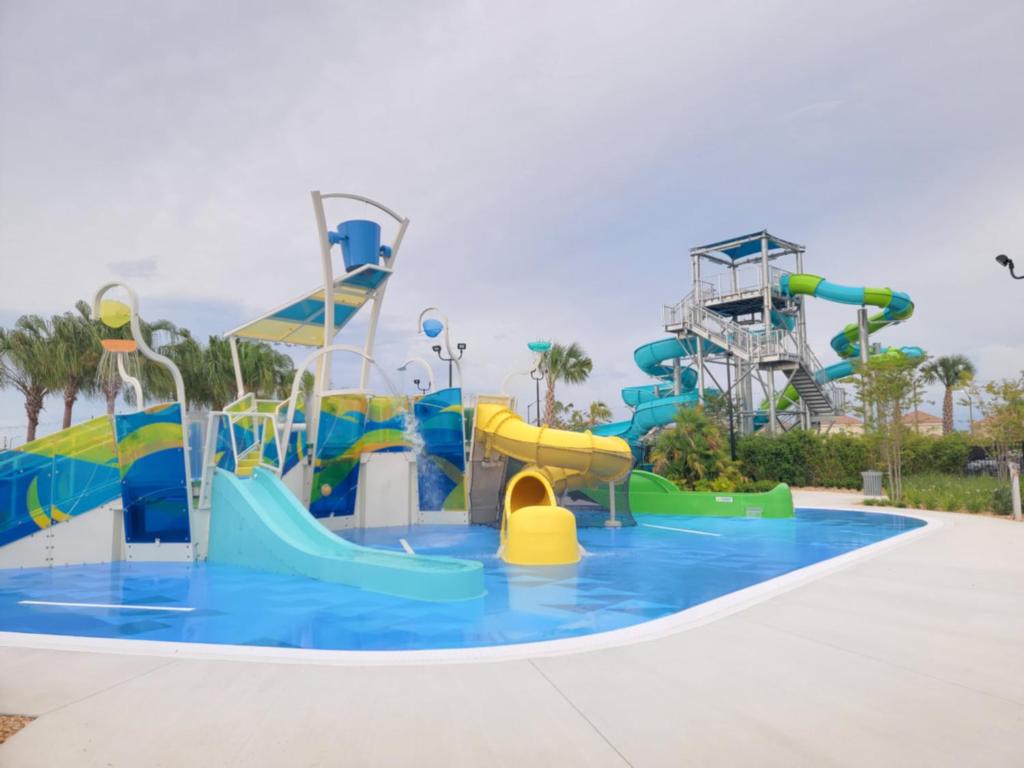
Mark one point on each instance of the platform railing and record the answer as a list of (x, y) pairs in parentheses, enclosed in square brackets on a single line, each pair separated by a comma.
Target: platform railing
[(266, 432)]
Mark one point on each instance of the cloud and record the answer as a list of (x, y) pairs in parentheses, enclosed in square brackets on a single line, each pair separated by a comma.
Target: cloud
[(139, 268), (556, 160)]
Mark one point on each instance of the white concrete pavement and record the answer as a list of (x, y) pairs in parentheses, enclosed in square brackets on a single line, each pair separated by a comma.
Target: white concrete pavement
[(912, 657)]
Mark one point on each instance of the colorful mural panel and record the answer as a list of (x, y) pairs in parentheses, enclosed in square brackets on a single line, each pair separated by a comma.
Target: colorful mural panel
[(54, 478), (153, 483), (441, 464)]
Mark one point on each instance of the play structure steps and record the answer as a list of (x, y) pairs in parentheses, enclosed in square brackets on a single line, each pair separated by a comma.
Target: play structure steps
[(247, 463)]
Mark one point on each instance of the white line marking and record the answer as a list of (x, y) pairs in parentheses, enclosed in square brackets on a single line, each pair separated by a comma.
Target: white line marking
[(679, 530), (405, 545), (108, 605)]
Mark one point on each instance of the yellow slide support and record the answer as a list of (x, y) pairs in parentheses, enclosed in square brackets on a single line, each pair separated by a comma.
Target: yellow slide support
[(534, 529)]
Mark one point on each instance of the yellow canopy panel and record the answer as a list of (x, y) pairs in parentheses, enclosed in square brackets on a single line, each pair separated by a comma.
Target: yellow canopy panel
[(301, 321)]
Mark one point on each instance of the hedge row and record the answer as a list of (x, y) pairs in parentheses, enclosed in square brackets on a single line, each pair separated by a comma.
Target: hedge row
[(835, 461)]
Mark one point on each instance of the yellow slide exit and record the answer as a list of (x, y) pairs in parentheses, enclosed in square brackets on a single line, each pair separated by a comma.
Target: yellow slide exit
[(534, 530)]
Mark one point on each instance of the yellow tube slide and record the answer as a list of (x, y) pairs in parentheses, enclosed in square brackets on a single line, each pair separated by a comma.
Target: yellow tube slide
[(598, 459), (534, 529)]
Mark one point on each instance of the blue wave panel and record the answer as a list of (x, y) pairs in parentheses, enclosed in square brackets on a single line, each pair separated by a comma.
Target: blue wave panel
[(153, 486), (336, 473), (18, 471), (441, 467)]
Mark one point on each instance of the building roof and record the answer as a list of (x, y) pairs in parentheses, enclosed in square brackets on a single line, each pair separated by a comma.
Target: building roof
[(847, 420), (921, 417)]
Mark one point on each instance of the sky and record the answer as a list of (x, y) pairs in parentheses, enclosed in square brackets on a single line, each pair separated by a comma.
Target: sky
[(556, 162)]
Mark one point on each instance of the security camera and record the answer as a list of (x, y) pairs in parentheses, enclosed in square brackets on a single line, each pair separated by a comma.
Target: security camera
[(1005, 261)]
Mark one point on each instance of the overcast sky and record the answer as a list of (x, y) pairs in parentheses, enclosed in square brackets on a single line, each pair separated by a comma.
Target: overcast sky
[(557, 161)]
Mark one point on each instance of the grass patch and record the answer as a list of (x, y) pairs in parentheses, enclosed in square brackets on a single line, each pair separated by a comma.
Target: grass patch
[(953, 493)]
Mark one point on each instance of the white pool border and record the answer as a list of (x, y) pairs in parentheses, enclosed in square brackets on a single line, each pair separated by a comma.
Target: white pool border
[(654, 629)]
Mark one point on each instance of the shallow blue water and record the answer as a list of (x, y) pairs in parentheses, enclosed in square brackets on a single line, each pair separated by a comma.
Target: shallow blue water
[(629, 575)]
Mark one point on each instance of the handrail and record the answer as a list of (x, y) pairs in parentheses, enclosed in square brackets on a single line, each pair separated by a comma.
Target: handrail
[(210, 446)]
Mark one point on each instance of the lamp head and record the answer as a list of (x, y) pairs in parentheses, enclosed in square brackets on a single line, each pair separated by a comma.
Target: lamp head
[(461, 346), (416, 382), (1004, 261), (403, 366), (436, 348), (432, 327)]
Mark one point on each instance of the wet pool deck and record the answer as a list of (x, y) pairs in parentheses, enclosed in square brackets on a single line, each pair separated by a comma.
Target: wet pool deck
[(912, 656)]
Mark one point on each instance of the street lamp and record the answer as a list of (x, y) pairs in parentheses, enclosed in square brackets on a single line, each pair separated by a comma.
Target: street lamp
[(423, 390), (425, 366), (461, 347), (1005, 261), (433, 328)]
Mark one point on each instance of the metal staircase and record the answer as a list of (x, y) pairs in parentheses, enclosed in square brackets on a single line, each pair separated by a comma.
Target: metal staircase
[(777, 349)]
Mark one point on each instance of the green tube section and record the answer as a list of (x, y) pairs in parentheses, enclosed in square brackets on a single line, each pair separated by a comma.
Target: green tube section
[(896, 307)]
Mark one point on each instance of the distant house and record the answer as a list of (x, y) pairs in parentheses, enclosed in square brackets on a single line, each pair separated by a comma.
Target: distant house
[(923, 423), (919, 421), (845, 425)]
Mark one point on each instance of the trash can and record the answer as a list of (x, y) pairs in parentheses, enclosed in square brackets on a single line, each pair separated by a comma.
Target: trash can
[(872, 482), (360, 242)]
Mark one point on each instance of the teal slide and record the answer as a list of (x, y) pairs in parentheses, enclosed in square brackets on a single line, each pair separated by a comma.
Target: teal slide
[(654, 405), (258, 523)]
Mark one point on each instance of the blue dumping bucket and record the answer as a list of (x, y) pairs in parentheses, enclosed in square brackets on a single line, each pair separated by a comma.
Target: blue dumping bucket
[(360, 242)]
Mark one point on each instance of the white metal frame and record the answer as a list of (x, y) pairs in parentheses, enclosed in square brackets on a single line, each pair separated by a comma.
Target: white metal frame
[(156, 357), (424, 365)]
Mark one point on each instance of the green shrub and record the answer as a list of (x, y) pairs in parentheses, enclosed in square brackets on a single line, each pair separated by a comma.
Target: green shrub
[(755, 486), (802, 458), (953, 493), (1002, 501), (924, 454)]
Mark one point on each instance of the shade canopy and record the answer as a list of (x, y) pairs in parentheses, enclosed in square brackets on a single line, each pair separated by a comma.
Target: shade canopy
[(736, 248), (301, 321)]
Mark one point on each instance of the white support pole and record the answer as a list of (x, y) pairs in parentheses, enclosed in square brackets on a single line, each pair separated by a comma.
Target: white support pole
[(862, 327), (766, 287), (237, 364), (677, 377), (1015, 489), (378, 302), (700, 366), (165, 362), (612, 522), (771, 401), (131, 381), (801, 323)]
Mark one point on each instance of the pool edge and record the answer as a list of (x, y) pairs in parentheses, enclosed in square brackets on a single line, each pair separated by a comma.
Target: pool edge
[(655, 629)]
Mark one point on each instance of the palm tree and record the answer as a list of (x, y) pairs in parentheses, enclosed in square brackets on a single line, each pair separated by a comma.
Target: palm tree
[(26, 363), (209, 373), (598, 413), (76, 355), (953, 372), (566, 363)]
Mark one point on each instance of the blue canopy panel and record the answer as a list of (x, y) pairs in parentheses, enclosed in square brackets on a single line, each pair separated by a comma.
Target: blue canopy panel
[(301, 321), (745, 245)]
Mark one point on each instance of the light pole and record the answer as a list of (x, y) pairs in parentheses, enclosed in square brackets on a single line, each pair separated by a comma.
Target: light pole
[(537, 375), (1005, 261), (425, 366), (433, 328), (461, 347)]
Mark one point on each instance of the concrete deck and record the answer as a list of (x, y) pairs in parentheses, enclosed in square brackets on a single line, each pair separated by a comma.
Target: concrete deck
[(912, 657)]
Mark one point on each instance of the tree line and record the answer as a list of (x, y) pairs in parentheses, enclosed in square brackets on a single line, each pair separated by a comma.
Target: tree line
[(61, 356)]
